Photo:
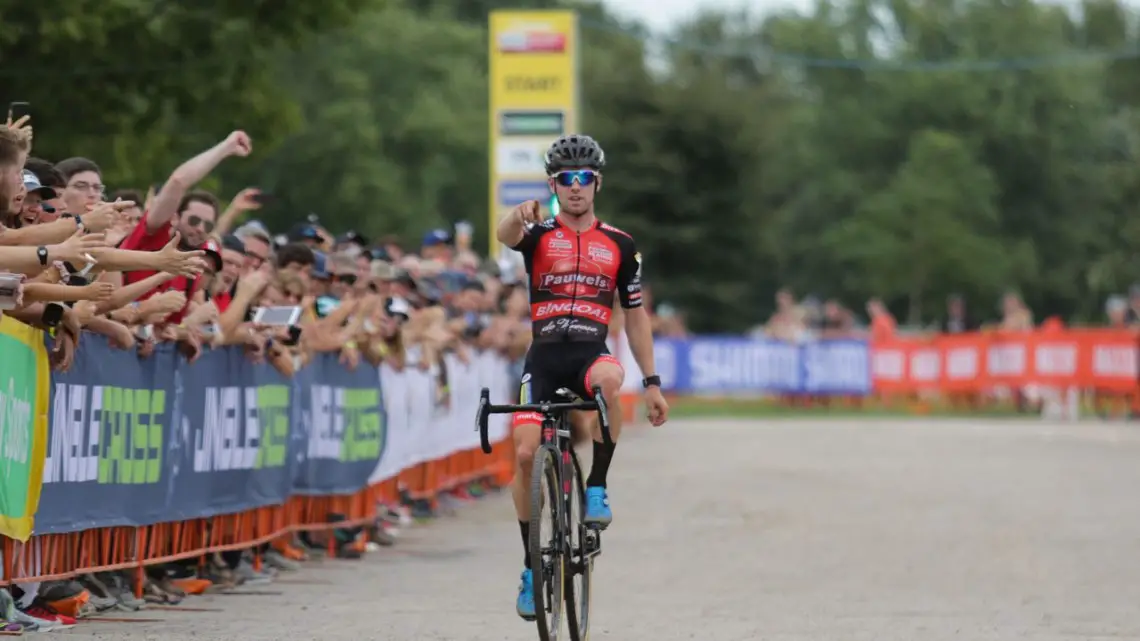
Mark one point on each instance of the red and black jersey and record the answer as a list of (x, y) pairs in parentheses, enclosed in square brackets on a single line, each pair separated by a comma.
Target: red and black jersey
[(573, 278)]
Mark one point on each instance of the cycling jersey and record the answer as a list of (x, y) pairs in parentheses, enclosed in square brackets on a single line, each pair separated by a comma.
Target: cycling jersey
[(573, 277)]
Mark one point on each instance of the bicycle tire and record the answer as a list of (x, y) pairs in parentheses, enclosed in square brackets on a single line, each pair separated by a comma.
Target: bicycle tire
[(578, 609), (546, 468)]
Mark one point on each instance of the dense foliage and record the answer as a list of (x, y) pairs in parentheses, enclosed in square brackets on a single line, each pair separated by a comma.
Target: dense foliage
[(902, 148)]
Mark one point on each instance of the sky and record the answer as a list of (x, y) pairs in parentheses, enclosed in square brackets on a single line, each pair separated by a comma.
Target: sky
[(660, 15)]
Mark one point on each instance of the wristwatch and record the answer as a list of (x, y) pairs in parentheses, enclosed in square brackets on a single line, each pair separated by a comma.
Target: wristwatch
[(79, 224), (651, 381), (42, 254)]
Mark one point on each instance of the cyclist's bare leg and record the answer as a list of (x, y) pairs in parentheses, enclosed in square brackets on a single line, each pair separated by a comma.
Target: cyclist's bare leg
[(526, 440), (607, 374)]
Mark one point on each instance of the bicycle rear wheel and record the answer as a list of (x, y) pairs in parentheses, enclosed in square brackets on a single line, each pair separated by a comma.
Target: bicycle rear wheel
[(581, 565), (547, 562)]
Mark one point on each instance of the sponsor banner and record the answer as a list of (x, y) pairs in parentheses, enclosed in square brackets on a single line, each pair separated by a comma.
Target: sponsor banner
[(108, 462), (513, 193), (520, 157), (230, 444), (715, 365), (342, 427), (533, 83), (135, 442), (24, 382)]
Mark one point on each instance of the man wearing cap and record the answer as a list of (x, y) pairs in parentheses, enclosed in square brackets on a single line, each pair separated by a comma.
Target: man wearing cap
[(190, 214), (437, 246), (35, 198)]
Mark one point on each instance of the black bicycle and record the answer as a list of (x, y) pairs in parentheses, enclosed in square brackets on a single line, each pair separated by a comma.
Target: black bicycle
[(561, 564)]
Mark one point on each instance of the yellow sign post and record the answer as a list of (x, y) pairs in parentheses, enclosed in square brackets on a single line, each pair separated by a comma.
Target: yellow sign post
[(534, 99)]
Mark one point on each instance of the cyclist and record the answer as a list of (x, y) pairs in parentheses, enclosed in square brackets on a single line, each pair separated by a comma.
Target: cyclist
[(576, 265)]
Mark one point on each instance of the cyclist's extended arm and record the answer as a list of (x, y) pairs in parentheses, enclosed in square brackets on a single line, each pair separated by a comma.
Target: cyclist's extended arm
[(511, 229)]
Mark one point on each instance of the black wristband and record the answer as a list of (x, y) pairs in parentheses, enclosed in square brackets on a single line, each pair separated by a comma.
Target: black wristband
[(651, 381)]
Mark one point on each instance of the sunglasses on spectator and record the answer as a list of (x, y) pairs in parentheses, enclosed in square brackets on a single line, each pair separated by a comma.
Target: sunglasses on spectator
[(198, 221), (347, 279), (583, 177)]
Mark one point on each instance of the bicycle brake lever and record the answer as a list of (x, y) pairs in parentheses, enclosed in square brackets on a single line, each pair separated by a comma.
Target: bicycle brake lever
[(481, 420)]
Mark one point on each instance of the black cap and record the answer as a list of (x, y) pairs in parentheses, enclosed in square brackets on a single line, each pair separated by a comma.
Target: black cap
[(233, 243), (352, 237)]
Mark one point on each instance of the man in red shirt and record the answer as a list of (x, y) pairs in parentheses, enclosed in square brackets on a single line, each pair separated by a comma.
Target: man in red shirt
[(189, 214)]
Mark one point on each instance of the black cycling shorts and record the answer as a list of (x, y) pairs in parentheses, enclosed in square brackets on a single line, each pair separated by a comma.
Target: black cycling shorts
[(552, 366)]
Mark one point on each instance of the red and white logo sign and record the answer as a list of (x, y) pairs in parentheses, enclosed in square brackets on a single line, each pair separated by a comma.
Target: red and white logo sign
[(579, 309), (600, 253), (587, 282), (537, 40)]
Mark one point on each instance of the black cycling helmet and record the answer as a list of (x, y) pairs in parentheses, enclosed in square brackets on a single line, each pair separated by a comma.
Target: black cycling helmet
[(575, 150)]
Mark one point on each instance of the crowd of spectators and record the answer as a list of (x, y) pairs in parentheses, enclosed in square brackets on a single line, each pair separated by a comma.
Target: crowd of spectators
[(175, 265)]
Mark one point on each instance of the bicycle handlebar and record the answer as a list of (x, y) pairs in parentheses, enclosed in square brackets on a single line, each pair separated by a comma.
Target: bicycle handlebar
[(486, 409)]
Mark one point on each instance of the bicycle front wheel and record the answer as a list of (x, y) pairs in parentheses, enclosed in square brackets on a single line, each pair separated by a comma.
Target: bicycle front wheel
[(547, 561), (581, 565)]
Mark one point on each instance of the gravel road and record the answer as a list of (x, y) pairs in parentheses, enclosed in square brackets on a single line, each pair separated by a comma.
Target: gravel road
[(790, 530)]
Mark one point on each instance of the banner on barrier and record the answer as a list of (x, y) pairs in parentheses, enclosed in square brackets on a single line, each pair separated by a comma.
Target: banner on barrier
[(715, 365), (24, 383), (135, 442)]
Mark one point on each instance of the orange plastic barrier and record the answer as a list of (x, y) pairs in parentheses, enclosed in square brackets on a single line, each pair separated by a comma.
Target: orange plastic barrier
[(60, 556), (1094, 359)]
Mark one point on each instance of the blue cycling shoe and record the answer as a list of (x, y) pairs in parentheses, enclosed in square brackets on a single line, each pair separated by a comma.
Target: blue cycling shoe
[(525, 604), (598, 512)]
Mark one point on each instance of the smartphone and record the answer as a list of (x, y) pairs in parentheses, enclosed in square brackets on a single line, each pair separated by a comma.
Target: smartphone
[(17, 110), (91, 262), (264, 198), (10, 290), (277, 316)]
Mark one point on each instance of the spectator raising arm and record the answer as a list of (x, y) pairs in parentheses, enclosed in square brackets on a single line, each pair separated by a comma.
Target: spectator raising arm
[(246, 200), (46, 292), (169, 259), (28, 260), (125, 295), (190, 173), (98, 220)]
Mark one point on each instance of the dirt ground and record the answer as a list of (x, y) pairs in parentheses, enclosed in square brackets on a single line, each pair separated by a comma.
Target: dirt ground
[(790, 530)]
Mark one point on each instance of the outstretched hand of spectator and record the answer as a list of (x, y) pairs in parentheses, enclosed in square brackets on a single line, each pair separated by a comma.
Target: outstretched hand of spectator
[(176, 261), (252, 284), (103, 216), (75, 249), (246, 200), (98, 291), (119, 335), (63, 352), (166, 303)]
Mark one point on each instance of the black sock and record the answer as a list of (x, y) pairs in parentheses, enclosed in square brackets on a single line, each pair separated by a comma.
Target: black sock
[(524, 527), (603, 454)]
